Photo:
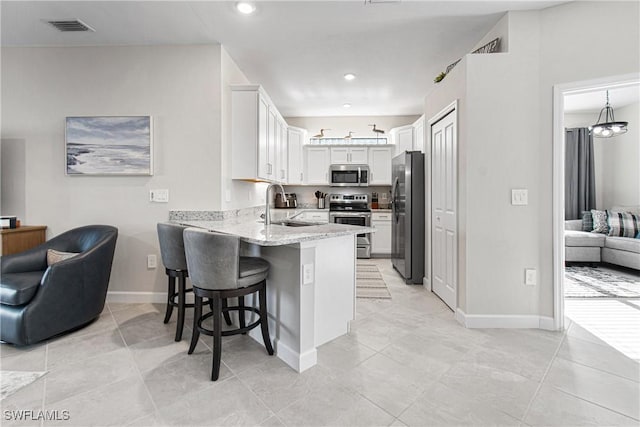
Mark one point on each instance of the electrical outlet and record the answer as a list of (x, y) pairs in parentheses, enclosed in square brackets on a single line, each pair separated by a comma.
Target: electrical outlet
[(152, 262), (307, 274), (530, 276), (159, 196)]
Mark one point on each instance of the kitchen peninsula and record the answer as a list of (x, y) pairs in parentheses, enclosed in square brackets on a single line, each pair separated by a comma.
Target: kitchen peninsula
[(311, 284)]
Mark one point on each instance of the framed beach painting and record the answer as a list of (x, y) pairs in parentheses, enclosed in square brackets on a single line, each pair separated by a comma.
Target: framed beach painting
[(109, 145)]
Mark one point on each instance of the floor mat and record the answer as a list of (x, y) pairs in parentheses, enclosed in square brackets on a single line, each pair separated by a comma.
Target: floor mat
[(369, 282), (591, 282)]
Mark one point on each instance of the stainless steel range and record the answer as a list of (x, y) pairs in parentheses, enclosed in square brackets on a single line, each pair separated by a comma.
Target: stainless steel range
[(352, 209)]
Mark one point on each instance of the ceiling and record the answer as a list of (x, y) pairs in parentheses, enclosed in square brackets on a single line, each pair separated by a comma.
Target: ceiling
[(298, 50), (594, 101)]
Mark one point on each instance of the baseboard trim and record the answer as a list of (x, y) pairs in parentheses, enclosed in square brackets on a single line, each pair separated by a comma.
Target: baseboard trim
[(427, 284), (136, 297), (298, 361), (547, 323), (504, 321)]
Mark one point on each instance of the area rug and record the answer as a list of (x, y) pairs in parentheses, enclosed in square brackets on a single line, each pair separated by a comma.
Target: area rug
[(12, 381), (369, 282), (590, 282)]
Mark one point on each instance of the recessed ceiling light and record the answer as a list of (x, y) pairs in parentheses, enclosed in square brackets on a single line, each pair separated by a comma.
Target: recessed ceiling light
[(346, 105), (349, 76), (245, 7)]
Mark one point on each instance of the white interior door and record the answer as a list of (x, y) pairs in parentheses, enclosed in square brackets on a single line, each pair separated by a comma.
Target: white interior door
[(444, 210)]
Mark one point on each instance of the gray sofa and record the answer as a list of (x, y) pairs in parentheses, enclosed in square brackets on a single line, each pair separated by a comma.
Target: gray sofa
[(585, 246)]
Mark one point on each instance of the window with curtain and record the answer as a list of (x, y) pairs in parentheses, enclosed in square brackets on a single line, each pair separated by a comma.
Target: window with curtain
[(580, 187)]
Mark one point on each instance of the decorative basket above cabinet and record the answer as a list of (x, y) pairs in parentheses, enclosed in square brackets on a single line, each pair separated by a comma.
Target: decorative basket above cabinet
[(258, 136)]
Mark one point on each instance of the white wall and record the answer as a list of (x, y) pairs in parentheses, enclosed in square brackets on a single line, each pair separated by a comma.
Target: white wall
[(501, 30), (621, 162), (340, 126), (505, 142), (503, 153), (14, 177), (178, 86)]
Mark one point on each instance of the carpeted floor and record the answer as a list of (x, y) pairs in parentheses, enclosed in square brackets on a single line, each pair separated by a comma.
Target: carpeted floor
[(369, 282), (592, 282)]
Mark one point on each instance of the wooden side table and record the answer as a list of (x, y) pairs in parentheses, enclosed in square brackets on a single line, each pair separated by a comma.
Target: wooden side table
[(20, 239)]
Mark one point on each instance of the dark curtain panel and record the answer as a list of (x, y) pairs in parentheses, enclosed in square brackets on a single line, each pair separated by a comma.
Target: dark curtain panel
[(579, 180)]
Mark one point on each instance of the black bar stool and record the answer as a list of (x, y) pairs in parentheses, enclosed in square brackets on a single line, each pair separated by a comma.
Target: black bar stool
[(219, 272), (175, 263)]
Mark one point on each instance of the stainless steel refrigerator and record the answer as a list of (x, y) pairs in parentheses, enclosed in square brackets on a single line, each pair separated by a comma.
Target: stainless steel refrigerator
[(407, 229)]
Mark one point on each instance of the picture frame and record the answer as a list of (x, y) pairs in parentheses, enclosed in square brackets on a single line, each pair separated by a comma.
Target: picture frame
[(109, 145)]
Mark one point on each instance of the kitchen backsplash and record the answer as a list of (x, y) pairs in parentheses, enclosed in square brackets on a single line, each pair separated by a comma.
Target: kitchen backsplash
[(307, 199)]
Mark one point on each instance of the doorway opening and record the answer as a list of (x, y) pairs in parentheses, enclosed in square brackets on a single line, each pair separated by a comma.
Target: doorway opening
[(596, 279)]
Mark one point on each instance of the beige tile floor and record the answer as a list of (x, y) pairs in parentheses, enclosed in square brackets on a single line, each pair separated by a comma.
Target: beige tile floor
[(405, 362)]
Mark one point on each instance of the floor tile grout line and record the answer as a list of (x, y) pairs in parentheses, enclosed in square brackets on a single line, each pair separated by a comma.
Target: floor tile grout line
[(601, 370), (594, 403), (44, 384), (135, 366), (271, 411), (544, 375)]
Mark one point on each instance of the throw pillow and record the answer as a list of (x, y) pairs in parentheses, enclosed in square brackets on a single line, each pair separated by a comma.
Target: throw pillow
[(623, 224), (54, 256), (587, 221), (599, 221)]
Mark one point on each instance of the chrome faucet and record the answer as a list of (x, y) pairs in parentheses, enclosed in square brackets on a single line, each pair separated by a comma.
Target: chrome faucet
[(267, 212)]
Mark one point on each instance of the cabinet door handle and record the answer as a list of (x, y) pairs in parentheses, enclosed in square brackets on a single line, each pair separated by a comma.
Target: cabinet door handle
[(301, 178)]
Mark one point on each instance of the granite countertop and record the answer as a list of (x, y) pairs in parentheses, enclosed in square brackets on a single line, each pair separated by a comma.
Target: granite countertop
[(252, 230)]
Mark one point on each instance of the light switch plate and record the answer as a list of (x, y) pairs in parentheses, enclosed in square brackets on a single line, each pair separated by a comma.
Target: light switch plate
[(519, 196), (159, 196)]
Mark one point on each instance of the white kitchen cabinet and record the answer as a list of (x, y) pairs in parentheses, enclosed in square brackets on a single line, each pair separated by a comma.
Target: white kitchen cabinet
[(404, 141), (272, 143), (282, 155), (381, 239), (295, 140), (255, 135), (317, 161), (314, 216), (380, 165), (349, 155), (418, 135)]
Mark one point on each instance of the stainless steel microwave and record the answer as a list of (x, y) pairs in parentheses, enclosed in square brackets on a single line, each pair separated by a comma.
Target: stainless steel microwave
[(349, 175)]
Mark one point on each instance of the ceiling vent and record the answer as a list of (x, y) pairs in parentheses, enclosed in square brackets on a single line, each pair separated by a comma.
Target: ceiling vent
[(71, 25)]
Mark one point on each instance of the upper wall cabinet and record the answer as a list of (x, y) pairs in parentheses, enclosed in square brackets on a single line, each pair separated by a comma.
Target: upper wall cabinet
[(348, 155), (418, 134), (403, 138), (296, 138), (317, 161), (380, 165), (258, 136)]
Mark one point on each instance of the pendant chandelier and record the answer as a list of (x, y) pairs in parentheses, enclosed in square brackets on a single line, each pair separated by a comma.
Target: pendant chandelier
[(608, 127)]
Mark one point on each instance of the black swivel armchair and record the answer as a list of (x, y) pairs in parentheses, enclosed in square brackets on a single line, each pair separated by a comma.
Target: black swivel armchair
[(39, 301)]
